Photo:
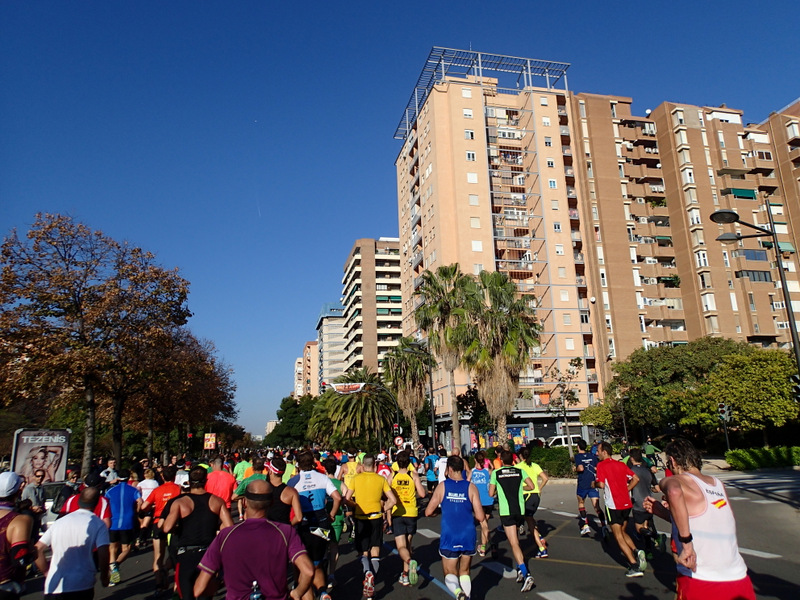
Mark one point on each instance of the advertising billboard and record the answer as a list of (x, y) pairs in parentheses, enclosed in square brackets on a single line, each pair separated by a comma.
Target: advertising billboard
[(45, 449)]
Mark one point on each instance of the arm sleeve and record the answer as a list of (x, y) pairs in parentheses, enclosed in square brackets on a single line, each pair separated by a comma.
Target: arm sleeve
[(101, 539), (329, 487), (105, 508)]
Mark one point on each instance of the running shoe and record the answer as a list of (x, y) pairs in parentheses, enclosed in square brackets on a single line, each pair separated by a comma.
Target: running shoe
[(413, 575), (369, 584), (324, 596), (586, 530), (521, 530), (527, 586), (606, 532), (331, 582), (114, 577), (404, 580), (520, 576), (642, 560), (481, 549), (542, 553), (462, 595), (633, 573)]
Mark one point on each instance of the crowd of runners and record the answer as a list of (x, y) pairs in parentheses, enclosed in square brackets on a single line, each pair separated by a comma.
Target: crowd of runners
[(269, 524)]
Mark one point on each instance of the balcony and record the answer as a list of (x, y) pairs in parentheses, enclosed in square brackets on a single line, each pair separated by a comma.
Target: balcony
[(416, 259), (416, 216), (417, 282), (569, 172), (573, 214), (563, 131), (416, 238), (566, 151), (580, 281), (578, 257), (571, 192)]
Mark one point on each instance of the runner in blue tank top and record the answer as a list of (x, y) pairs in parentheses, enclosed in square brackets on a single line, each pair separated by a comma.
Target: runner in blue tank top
[(460, 501), (480, 478)]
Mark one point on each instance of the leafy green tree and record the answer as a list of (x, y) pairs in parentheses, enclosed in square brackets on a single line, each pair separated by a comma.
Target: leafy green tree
[(757, 387), (442, 316), (501, 331), (473, 407), (599, 415), (660, 386), (293, 418), (566, 393), (407, 373)]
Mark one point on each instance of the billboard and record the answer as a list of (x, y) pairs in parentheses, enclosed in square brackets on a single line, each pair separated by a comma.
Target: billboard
[(45, 449), (210, 441)]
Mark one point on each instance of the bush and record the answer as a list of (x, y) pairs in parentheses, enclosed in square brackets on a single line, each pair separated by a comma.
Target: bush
[(554, 461), (758, 458)]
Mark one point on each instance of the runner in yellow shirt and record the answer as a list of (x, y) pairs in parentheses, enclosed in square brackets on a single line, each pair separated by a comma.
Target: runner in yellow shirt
[(535, 473), (407, 486)]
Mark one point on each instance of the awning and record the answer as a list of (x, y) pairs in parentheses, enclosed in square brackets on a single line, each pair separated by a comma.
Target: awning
[(786, 247), (742, 193)]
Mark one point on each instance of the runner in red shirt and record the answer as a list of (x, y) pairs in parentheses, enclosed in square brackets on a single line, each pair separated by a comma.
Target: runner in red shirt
[(220, 482), (617, 480), (159, 498), (102, 510)]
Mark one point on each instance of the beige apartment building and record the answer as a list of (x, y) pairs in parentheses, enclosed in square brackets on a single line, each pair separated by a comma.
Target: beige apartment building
[(372, 303), (601, 218), (311, 369), (330, 343)]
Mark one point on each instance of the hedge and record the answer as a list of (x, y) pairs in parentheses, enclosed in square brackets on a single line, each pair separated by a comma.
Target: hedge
[(758, 458), (554, 461)]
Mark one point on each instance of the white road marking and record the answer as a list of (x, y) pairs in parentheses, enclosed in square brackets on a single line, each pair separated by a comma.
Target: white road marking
[(758, 553), (499, 569), (765, 501), (562, 513), (737, 498), (428, 533), (556, 595)]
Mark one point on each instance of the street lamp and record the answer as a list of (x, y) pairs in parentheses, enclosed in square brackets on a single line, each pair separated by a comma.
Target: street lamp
[(724, 217), (420, 350)]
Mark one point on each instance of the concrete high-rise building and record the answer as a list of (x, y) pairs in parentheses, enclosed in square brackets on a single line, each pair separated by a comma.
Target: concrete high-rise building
[(297, 390), (601, 218), (311, 369), (372, 302), (330, 343)]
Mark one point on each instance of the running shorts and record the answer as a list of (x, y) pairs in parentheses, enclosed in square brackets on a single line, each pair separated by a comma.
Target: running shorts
[(690, 588), (590, 492), (368, 534), (618, 517), (511, 520), (404, 526), (531, 504)]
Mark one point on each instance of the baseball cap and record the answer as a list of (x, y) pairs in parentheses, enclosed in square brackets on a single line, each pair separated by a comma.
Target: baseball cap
[(93, 480), (381, 456), (9, 484)]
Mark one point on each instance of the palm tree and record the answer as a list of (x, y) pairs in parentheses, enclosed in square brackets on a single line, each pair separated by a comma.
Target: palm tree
[(442, 316), (362, 414), (502, 332), (407, 371)]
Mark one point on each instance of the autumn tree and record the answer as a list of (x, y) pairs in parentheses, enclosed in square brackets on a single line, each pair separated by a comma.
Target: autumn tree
[(71, 301)]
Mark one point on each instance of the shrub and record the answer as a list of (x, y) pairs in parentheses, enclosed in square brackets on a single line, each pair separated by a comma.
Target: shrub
[(758, 458), (554, 461)]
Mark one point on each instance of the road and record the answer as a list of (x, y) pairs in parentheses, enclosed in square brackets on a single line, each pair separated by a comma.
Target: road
[(766, 509)]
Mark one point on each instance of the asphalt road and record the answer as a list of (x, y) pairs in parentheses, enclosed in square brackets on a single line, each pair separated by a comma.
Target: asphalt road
[(765, 504)]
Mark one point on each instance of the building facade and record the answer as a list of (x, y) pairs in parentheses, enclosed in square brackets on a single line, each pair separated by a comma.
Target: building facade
[(601, 218), (372, 303), (330, 343), (311, 369)]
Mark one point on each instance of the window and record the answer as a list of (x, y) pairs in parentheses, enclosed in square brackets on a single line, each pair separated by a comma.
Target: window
[(603, 282), (589, 171), (559, 249), (557, 227), (467, 113), (554, 204), (477, 246), (466, 92), (694, 216), (567, 319), (761, 276), (564, 295), (584, 318), (613, 110), (688, 176), (552, 184), (472, 178), (475, 222), (473, 199), (751, 254), (569, 343), (470, 156), (562, 272), (477, 268), (551, 163), (701, 258), (725, 259), (469, 134), (546, 121), (709, 303), (548, 141), (543, 100)]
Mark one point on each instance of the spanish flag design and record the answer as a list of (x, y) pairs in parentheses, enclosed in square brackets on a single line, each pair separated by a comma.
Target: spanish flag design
[(720, 503)]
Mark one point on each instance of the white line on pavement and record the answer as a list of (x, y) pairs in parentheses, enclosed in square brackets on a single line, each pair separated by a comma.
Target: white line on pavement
[(765, 501), (562, 513), (428, 533), (556, 595), (499, 569), (737, 498), (758, 553)]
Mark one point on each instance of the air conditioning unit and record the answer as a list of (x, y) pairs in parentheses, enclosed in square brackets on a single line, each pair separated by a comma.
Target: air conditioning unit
[(640, 200)]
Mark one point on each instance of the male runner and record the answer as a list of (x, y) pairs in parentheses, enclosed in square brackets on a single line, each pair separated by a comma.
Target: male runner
[(508, 483), (617, 480), (159, 498), (586, 467), (480, 477), (124, 501), (407, 486), (461, 503), (641, 518)]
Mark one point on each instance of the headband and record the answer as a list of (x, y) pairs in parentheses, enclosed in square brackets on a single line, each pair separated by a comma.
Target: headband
[(274, 469), (258, 497)]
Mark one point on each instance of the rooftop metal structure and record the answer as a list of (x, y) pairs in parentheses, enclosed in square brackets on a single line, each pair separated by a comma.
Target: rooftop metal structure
[(447, 62)]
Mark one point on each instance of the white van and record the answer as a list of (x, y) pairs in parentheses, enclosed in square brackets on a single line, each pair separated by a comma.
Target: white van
[(558, 441)]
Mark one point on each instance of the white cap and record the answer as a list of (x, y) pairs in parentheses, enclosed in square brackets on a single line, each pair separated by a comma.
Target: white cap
[(10, 483), (381, 456)]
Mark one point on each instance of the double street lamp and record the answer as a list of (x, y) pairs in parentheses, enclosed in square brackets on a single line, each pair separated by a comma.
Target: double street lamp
[(724, 217)]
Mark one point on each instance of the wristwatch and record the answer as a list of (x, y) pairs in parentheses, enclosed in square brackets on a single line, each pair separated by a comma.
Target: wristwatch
[(686, 539)]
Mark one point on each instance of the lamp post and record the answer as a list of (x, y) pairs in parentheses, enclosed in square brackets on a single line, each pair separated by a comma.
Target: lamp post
[(421, 350), (724, 217)]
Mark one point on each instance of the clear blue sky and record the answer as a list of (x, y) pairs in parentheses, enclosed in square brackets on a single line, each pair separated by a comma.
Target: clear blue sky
[(250, 143)]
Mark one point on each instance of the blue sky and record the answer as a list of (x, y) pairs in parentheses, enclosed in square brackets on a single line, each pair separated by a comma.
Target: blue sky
[(250, 143)]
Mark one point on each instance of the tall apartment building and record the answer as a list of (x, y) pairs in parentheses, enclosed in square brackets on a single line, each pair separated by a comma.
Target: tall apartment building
[(330, 343), (600, 217), (297, 387), (372, 302), (311, 369)]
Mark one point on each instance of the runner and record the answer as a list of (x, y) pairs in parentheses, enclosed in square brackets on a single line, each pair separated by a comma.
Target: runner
[(430, 462), (158, 499), (337, 526), (480, 477), (124, 501), (586, 467), (15, 538), (617, 480), (532, 497), (373, 497), (461, 505), (508, 483), (407, 487), (285, 506), (641, 518), (220, 482)]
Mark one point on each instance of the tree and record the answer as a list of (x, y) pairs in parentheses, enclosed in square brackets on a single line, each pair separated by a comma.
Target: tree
[(660, 385), (566, 394), (501, 330), (473, 407), (442, 315), (293, 418), (407, 373), (70, 298), (598, 415), (757, 388)]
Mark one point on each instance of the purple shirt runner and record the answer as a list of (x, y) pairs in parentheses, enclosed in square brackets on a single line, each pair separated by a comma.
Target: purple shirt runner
[(254, 550)]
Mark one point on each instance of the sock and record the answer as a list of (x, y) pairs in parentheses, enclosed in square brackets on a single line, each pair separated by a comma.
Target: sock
[(584, 521), (376, 563), (523, 569), (451, 581), (365, 564), (466, 584)]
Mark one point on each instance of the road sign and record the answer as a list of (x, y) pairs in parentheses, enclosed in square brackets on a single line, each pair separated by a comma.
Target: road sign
[(398, 440)]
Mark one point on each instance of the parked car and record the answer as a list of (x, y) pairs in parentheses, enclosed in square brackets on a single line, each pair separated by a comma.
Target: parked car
[(558, 441)]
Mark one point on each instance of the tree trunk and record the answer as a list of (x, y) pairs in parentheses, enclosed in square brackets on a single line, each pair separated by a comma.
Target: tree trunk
[(502, 429), (118, 405), (766, 440), (150, 434), (88, 434), (569, 439), (414, 430), (455, 422)]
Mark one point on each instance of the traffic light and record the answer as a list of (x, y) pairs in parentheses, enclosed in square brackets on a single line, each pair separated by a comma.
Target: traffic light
[(396, 429), (724, 411), (795, 379), (190, 435)]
